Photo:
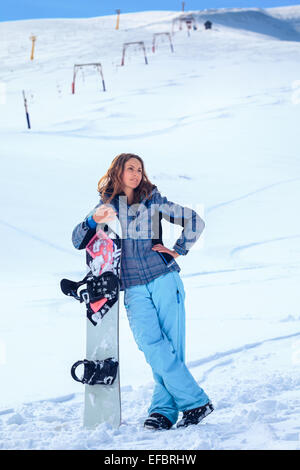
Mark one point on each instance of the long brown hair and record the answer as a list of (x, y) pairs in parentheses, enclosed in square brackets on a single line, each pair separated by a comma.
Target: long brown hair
[(111, 183)]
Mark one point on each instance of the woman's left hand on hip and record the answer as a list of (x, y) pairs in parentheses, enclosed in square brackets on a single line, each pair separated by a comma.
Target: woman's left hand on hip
[(164, 249)]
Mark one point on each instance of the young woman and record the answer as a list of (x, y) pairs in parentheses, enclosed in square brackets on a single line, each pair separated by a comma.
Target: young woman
[(153, 290)]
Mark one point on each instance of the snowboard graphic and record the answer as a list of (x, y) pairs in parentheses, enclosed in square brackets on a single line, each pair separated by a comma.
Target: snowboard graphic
[(99, 290)]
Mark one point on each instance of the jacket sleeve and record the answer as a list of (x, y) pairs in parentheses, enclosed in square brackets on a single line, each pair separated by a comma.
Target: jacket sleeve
[(84, 231), (191, 222)]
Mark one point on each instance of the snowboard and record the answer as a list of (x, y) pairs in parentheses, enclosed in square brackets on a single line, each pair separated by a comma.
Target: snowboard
[(99, 290)]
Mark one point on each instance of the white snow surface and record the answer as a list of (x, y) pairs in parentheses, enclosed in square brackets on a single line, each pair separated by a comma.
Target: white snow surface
[(217, 123)]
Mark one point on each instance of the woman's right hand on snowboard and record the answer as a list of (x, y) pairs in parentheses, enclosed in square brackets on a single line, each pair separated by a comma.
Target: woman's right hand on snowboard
[(104, 214)]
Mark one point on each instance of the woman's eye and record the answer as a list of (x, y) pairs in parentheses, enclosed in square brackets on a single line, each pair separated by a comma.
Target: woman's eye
[(130, 168)]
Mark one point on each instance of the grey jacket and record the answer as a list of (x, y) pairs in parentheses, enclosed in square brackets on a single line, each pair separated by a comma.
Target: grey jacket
[(141, 229)]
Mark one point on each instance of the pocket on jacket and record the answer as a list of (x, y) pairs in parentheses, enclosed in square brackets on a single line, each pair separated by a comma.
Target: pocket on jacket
[(166, 257)]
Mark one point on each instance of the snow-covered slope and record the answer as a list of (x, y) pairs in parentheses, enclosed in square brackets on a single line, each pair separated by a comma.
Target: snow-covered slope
[(272, 22), (289, 14), (217, 125), (257, 408)]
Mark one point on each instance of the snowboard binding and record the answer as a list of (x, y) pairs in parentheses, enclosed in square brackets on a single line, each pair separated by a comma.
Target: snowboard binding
[(99, 293), (104, 286), (97, 372)]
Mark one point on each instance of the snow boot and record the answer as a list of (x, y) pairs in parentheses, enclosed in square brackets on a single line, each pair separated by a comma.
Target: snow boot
[(195, 415), (157, 421)]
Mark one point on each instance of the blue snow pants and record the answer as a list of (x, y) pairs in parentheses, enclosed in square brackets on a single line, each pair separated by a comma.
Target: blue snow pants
[(156, 316)]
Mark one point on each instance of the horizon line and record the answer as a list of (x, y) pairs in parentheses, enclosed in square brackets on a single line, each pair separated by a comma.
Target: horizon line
[(147, 10)]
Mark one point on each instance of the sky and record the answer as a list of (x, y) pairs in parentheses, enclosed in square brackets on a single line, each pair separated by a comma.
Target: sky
[(29, 9)]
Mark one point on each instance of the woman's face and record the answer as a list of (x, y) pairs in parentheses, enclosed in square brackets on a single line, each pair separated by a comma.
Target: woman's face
[(132, 174)]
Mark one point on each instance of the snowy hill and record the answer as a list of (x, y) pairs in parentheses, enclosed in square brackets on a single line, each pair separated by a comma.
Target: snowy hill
[(217, 125), (290, 14), (256, 20)]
